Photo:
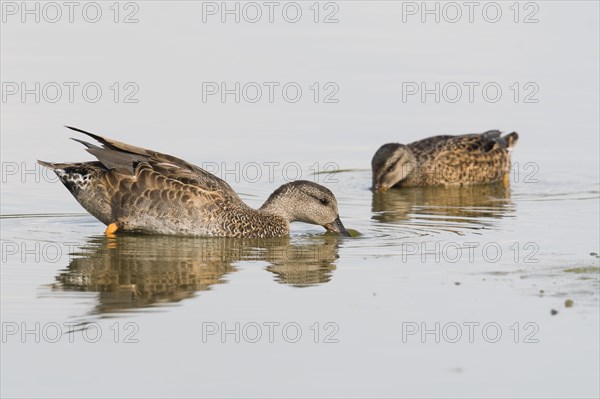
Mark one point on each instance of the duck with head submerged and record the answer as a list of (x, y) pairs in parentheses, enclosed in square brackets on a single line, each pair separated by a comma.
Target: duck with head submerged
[(444, 161), (135, 189)]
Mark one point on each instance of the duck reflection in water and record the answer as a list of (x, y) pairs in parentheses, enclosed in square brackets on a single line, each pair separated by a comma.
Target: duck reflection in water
[(137, 271), (434, 209)]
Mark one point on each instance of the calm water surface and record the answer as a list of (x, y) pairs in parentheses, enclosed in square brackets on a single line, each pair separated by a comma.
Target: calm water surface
[(443, 292)]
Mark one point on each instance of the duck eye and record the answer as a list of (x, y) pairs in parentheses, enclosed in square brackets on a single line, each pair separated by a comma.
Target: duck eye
[(324, 201)]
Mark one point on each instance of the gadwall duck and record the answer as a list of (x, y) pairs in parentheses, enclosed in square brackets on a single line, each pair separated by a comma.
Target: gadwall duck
[(140, 190), (444, 160)]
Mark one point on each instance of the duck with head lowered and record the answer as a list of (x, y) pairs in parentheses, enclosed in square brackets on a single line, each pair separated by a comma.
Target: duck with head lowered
[(444, 161), (135, 189)]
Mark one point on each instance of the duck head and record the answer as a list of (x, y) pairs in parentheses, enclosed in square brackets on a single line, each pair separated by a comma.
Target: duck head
[(391, 164), (308, 202)]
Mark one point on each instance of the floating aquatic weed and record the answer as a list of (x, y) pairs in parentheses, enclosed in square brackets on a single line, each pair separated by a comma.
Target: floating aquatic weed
[(569, 303), (583, 269), (353, 233)]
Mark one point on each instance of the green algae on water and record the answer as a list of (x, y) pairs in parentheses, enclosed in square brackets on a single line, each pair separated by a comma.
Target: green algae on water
[(583, 270), (353, 233), (569, 303)]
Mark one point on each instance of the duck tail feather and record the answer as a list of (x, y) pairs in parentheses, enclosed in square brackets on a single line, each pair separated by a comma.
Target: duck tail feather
[(511, 139), (48, 165)]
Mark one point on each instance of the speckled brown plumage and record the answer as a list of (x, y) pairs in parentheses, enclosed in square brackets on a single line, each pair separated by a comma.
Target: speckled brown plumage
[(147, 191), (444, 160)]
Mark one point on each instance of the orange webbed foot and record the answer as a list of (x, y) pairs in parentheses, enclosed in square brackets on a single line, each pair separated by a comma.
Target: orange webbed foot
[(111, 229)]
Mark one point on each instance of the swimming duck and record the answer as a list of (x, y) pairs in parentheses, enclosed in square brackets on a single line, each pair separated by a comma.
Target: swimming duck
[(134, 189), (444, 160)]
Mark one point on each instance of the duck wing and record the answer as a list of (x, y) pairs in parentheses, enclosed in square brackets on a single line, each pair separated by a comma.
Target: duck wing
[(478, 144), (428, 146), (127, 159), (464, 146), (480, 157)]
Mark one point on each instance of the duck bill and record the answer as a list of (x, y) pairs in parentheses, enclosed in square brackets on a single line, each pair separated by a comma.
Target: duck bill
[(337, 227), (379, 188)]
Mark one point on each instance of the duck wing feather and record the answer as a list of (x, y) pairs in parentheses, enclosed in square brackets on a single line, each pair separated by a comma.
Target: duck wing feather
[(127, 159)]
